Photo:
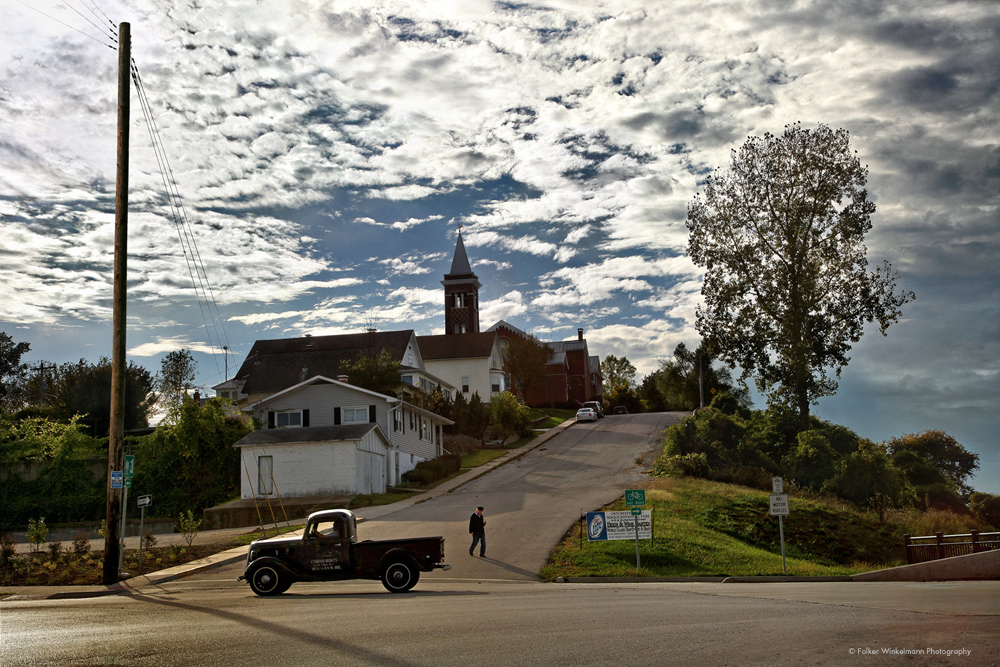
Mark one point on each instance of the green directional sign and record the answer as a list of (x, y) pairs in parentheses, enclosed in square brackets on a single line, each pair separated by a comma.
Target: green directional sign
[(129, 467), (636, 511), (635, 497)]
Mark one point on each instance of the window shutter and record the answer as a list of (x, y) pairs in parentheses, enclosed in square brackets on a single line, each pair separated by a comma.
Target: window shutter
[(270, 418), (371, 414), (336, 416), (305, 418)]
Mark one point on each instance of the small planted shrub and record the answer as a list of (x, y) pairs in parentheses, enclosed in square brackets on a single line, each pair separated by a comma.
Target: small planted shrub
[(81, 544), (189, 526), (38, 533)]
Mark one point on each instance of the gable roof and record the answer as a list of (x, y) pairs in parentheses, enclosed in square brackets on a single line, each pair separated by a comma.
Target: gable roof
[(316, 379), (457, 346), (273, 365), (284, 436)]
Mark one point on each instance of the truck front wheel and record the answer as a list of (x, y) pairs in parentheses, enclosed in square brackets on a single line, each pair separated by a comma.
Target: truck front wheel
[(267, 580), (400, 577)]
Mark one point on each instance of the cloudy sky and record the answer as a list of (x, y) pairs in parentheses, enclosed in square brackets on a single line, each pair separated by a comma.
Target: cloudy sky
[(326, 152)]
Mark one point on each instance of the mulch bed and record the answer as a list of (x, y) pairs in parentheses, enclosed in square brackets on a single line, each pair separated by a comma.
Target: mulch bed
[(39, 568)]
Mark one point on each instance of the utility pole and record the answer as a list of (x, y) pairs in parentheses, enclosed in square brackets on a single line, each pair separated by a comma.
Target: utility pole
[(40, 370), (116, 436)]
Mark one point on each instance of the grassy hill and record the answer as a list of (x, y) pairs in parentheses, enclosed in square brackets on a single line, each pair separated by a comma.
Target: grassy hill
[(704, 528)]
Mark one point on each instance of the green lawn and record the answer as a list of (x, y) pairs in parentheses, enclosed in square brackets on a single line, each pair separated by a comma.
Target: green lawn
[(702, 528)]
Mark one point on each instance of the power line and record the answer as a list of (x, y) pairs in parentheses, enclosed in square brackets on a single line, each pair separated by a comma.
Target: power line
[(110, 46), (189, 246)]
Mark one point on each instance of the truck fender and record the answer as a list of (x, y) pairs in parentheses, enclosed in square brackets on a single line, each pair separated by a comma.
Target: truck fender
[(396, 555), (276, 563)]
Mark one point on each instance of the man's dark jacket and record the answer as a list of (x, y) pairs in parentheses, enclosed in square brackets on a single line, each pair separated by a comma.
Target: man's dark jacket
[(477, 524)]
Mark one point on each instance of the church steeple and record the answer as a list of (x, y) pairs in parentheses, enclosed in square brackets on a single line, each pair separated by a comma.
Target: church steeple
[(461, 294)]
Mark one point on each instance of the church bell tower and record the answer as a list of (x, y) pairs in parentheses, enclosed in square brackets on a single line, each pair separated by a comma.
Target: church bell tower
[(461, 294)]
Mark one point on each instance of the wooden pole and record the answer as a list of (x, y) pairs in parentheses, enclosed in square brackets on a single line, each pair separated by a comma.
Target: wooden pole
[(116, 435)]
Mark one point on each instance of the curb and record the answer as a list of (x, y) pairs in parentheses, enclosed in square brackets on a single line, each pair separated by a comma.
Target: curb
[(776, 579)]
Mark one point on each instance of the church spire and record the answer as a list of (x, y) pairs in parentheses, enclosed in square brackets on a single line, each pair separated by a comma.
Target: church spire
[(460, 262), (461, 293)]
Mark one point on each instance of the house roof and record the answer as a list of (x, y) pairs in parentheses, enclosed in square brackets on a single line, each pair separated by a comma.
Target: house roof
[(510, 327), (319, 379), (273, 365), (285, 436), (457, 346)]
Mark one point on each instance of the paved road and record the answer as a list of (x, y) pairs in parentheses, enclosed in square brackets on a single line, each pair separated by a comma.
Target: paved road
[(210, 620), (531, 502)]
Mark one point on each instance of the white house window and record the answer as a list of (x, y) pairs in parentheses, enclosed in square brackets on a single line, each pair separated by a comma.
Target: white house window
[(355, 416), (408, 379), (465, 384), (289, 419), (397, 420)]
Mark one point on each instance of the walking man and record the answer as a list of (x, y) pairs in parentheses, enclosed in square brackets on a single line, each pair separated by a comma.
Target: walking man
[(477, 527)]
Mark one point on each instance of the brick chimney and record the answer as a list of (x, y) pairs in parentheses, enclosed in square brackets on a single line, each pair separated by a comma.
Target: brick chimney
[(579, 334)]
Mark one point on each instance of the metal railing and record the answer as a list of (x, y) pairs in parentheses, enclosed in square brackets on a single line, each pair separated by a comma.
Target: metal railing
[(939, 545)]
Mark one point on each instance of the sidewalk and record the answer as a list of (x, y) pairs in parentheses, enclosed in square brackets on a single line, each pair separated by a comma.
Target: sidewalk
[(238, 554)]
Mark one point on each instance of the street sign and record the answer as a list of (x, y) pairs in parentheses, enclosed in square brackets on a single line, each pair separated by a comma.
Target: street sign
[(129, 466), (635, 497), (777, 485), (128, 482), (636, 511), (779, 504), (117, 479), (145, 501)]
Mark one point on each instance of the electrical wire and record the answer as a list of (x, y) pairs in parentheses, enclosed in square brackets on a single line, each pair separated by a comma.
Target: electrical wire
[(189, 247), (110, 46)]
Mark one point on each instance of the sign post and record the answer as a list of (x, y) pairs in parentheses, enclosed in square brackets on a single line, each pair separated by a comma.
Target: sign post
[(128, 472), (143, 502), (779, 508), (635, 499)]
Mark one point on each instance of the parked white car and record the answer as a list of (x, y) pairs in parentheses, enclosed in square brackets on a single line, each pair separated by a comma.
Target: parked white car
[(586, 415)]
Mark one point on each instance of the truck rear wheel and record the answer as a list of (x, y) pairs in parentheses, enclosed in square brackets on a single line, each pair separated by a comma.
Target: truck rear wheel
[(267, 580), (400, 577)]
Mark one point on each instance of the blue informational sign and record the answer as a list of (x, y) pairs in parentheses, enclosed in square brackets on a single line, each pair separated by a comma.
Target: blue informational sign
[(117, 479), (603, 526)]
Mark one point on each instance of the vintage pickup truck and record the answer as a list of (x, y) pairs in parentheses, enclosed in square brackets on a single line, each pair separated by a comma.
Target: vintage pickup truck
[(328, 550)]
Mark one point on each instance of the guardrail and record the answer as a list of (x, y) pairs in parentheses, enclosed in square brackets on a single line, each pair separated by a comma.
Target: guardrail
[(939, 545)]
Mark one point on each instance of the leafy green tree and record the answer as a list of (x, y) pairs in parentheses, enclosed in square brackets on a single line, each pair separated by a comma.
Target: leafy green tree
[(787, 288), (934, 459), (524, 361), (85, 389), (618, 373), (689, 373), (377, 372), (177, 373), (191, 463), (986, 508), (510, 415), (649, 394), (13, 373), (813, 462), (866, 474)]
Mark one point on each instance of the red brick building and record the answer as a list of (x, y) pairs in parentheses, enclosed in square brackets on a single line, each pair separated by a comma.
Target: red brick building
[(572, 374)]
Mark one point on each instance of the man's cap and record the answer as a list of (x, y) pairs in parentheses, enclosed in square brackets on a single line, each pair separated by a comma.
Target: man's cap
[(480, 508)]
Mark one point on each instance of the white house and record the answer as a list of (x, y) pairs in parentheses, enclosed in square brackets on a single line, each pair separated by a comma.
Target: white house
[(470, 362), (328, 437)]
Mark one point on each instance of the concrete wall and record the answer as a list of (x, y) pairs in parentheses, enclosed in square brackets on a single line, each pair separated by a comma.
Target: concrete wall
[(984, 565)]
